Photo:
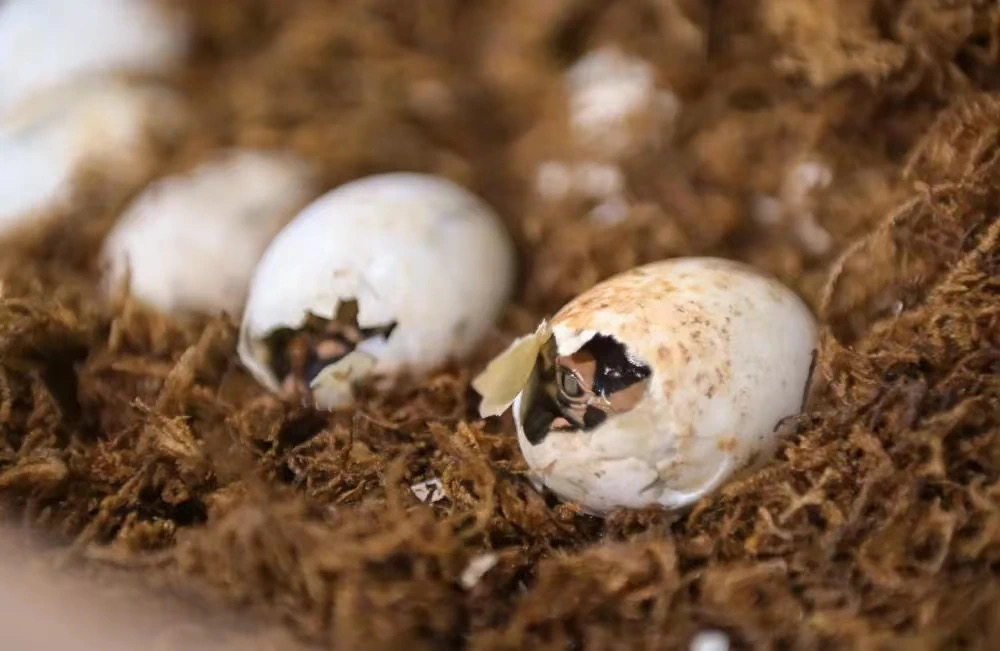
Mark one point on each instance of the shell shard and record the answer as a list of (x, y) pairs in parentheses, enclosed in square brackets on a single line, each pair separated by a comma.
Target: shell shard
[(508, 373), (333, 387), (569, 340)]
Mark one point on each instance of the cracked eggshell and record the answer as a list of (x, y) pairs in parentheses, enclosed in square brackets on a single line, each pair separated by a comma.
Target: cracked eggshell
[(190, 243), (49, 140), (730, 351), (409, 248), (48, 43)]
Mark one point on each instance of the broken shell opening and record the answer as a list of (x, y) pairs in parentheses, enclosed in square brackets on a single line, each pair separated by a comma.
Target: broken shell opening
[(319, 360), (579, 390)]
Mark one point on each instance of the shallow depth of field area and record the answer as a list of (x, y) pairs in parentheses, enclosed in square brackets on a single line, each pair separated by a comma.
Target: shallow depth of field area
[(850, 148)]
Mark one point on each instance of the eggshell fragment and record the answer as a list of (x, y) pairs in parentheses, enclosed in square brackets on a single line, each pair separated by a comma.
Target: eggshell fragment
[(726, 353), (190, 243), (49, 43), (796, 205), (611, 94), (49, 140), (709, 640), (507, 375), (477, 568), (426, 265)]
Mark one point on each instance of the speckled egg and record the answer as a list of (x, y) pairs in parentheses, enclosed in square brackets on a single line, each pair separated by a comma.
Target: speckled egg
[(656, 385)]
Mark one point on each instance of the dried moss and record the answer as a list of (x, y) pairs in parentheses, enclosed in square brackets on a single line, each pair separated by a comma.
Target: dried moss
[(138, 441)]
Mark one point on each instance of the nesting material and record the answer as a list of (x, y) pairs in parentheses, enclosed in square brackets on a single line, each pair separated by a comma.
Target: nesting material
[(615, 110), (138, 442), (190, 243)]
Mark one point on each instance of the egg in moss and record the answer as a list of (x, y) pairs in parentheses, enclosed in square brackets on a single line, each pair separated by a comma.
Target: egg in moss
[(189, 243), (657, 385), (391, 274)]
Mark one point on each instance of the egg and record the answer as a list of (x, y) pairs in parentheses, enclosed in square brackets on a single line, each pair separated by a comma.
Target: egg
[(657, 385), (49, 140), (390, 274), (49, 43), (190, 243)]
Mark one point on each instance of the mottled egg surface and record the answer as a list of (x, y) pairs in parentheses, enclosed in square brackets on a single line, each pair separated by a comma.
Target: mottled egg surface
[(655, 386)]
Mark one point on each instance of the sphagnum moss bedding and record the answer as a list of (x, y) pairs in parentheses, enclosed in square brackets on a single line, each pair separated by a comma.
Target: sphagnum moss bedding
[(849, 148)]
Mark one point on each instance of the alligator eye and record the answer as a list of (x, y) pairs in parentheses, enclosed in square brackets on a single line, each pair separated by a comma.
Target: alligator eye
[(569, 383)]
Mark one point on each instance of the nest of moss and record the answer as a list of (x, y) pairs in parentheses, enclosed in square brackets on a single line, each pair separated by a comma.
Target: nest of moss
[(139, 442)]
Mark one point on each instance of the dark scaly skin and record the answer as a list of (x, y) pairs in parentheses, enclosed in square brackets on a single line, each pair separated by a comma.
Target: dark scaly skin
[(301, 355), (579, 391)]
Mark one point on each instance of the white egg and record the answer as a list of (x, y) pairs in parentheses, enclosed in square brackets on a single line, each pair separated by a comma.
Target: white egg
[(656, 385), (47, 141), (47, 43), (389, 274), (190, 243), (709, 640)]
